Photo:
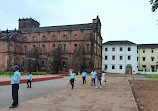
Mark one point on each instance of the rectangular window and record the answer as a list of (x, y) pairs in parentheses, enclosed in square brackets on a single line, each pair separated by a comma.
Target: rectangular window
[(143, 51), (152, 58), (121, 49), (113, 57), (144, 66), (106, 57), (106, 49), (113, 66), (137, 51), (34, 46), (137, 58), (143, 58), (120, 66), (121, 57), (152, 51), (113, 49), (152, 68), (106, 66), (129, 49), (129, 57)]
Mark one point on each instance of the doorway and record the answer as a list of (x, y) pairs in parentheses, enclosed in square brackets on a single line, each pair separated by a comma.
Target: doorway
[(129, 69)]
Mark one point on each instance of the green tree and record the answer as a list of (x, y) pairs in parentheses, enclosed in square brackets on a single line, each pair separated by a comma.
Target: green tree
[(154, 4)]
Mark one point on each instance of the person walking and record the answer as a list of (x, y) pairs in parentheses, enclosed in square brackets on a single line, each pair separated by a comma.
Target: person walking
[(84, 75), (72, 78), (103, 77), (29, 80), (93, 74), (15, 80), (99, 75)]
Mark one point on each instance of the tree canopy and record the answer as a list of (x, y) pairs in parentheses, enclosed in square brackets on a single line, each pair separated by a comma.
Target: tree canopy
[(154, 4)]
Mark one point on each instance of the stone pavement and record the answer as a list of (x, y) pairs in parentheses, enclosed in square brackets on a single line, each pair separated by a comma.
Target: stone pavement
[(116, 95), (24, 78)]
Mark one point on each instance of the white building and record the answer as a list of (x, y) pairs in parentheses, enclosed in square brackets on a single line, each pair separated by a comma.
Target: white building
[(119, 57)]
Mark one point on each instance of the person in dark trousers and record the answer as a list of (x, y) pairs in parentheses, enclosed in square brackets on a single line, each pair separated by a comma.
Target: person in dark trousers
[(84, 75), (29, 80), (99, 75), (93, 74), (72, 78), (15, 80)]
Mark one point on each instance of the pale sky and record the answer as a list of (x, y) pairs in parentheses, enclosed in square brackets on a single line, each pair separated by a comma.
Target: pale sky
[(121, 19)]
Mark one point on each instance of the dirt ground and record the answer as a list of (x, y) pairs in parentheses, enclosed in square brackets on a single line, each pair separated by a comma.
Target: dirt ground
[(146, 94), (116, 95)]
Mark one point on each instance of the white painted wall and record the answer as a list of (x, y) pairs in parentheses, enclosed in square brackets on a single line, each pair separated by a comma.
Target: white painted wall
[(117, 53)]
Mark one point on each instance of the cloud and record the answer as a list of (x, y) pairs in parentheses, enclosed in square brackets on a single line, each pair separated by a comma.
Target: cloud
[(121, 19)]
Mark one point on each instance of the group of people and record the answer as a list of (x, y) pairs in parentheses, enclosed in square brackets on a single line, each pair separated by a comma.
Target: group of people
[(100, 78), (15, 80)]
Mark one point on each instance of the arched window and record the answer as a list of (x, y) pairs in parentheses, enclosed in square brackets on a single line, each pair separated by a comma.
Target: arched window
[(44, 37), (64, 36), (64, 47), (23, 63), (43, 63), (76, 36), (53, 36), (25, 38), (53, 45), (25, 48), (88, 48), (34, 38), (44, 48)]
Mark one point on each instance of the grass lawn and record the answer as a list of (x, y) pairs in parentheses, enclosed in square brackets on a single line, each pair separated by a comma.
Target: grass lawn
[(4, 75), (150, 75)]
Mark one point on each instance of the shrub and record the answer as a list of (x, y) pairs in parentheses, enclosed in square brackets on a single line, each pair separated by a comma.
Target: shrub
[(6, 73), (38, 73), (22, 73)]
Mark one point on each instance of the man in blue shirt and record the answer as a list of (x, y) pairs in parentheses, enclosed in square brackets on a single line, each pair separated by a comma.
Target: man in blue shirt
[(93, 74), (72, 77), (29, 80), (15, 80), (99, 76), (84, 75)]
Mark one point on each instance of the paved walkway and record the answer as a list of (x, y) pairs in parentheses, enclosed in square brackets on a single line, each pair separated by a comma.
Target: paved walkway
[(6, 80), (26, 77), (116, 95)]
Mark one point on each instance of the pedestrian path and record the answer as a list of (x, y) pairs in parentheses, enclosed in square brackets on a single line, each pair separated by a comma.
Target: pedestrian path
[(24, 78), (116, 95)]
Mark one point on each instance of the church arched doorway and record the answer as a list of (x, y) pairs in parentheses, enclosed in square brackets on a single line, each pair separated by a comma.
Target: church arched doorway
[(129, 69)]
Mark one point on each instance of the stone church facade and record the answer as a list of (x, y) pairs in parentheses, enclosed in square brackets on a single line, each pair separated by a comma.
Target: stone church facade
[(53, 48)]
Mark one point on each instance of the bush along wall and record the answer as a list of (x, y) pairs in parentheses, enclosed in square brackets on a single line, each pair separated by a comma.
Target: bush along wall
[(22, 73), (6, 73)]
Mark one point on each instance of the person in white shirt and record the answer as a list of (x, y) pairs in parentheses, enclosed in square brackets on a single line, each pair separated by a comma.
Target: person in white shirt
[(103, 77)]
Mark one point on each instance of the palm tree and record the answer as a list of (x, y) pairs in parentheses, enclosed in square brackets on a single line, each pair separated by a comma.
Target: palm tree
[(154, 4)]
